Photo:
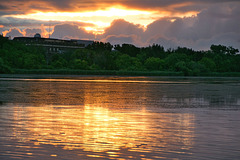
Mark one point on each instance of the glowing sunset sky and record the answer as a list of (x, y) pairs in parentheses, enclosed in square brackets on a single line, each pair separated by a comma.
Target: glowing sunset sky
[(192, 23)]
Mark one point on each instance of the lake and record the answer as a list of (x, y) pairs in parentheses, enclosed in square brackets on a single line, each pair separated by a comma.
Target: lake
[(104, 117)]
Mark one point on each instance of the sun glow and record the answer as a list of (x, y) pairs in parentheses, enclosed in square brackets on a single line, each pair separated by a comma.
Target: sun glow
[(94, 30), (73, 16), (100, 18), (97, 21)]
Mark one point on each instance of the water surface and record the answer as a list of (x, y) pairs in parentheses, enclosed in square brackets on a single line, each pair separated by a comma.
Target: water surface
[(57, 117)]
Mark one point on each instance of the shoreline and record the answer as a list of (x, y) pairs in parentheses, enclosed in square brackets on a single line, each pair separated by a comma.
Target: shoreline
[(117, 73)]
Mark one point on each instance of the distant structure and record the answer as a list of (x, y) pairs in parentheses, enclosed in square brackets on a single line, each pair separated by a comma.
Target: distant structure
[(54, 45), (37, 35)]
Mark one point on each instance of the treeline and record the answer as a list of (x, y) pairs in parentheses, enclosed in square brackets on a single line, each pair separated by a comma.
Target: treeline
[(126, 57)]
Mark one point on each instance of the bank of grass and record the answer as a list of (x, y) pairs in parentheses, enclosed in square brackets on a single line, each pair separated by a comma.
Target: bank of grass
[(97, 72), (120, 73), (221, 74)]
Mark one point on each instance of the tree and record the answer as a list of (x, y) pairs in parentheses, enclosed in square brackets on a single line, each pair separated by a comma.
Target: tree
[(196, 68), (128, 49), (83, 54), (80, 64), (218, 49), (3, 40), (58, 61), (100, 46), (153, 63), (181, 66), (232, 51), (155, 50), (173, 59), (125, 62), (208, 63), (184, 50), (4, 68)]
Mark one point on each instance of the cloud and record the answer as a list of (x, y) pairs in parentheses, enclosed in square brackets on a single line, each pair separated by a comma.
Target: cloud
[(122, 31), (2, 7), (18, 22), (31, 32), (120, 26), (157, 28), (227, 39), (13, 32), (30, 26), (216, 23), (70, 31), (167, 43), (26, 6), (120, 39)]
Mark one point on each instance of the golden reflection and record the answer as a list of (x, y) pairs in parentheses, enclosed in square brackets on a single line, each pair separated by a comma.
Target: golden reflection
[(107, 117), (99, 129)]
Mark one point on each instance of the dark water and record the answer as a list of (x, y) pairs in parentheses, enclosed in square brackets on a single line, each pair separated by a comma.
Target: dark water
[(56, 117)]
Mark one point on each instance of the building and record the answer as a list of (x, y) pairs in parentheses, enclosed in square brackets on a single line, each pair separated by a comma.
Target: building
[(54, 45)]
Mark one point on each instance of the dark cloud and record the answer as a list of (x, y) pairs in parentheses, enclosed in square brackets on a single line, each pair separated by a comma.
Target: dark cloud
[(61, 3), (23, 6), (14, 32), (120, 39), (218, 22), (17, 22), (21, 27), (209, 23), (157, 28), (122, 27), (31, 32), (70, 31), (173, 3), (2, 7), (227, 39), (167, 43)]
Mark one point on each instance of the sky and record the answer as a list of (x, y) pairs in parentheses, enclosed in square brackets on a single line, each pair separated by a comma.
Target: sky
[(194, 24)]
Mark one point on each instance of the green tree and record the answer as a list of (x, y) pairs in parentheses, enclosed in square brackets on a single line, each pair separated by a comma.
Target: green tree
[(128, 49), (232, 51), (80, 64), (153, 63), (181, 66), (173, 59), (155, 50), (195, 68), (58, 62), (83, 54), (4, 68), (3, 40), (208, 63), (100, 46), (218, 49), (125, 62)]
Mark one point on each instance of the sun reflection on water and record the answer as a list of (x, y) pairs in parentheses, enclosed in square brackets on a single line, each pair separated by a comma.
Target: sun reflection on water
[(113, 118), (99, 129)]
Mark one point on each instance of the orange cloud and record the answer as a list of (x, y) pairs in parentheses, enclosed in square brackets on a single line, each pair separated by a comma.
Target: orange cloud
[(181, 23), (101, 19), (13, 31)]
